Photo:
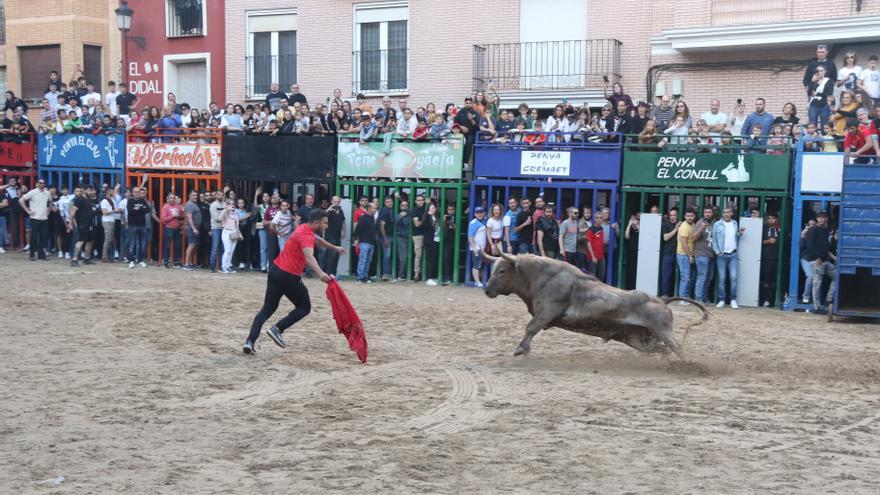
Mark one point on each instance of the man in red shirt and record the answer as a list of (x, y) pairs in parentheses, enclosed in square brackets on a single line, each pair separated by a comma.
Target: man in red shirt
[(285, 279), (861, 138), (596, 247)]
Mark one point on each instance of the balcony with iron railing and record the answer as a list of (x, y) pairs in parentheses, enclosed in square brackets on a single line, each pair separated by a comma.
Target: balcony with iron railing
[(378, 71), (546, 65), (263, 70), (184, 18)]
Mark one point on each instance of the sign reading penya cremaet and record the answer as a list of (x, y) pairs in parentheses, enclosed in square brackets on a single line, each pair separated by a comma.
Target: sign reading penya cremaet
[(712, 170)]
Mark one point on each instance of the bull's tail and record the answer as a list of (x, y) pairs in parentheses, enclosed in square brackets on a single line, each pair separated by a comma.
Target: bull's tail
[(698, 305)]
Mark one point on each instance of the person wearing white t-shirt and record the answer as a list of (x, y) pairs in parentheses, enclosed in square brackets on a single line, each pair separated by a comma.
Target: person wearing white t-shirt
[(109, 210), (476, 243), (849, 73), (36, 204), (715, 118), (495, 226), (869, 79), (110, 101)]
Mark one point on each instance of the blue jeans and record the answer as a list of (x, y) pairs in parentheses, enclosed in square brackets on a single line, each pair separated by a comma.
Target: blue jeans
[(264, 245), (365, 258), (137, 243), (701, 289), (2, 232), (818, 115), (386, 257), (684, 275), (667, 274), (216, 245), (727, 263), (523, 247)]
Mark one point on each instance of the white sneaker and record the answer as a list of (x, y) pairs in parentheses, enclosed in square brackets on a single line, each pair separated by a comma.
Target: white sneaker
[(720, 304), (67, 256), (241, 266), (431, 282), (2, 251), (733, 304), (142, 264), (131, 264), (60, 254), (683, 303), (805, 300), (479, 285), (766, 304)]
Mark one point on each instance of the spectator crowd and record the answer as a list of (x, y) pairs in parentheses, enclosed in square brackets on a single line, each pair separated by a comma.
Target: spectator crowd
[(221, 231)]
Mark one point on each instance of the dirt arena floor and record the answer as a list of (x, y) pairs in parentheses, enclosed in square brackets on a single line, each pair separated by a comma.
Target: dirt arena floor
[(133, 381)]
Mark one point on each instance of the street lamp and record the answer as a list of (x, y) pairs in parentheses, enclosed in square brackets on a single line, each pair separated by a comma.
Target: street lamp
[(123, 21)]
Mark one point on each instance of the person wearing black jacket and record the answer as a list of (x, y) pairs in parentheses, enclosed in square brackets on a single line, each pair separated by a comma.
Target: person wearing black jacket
[(818, 247), (820, 88), (469, 120), (431, 223), (333, 235), (769, 261), (821, 60), (13, 102), (365, 234), (449, 243)]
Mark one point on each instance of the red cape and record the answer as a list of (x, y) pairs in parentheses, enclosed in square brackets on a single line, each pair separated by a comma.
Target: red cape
[(347, 320)]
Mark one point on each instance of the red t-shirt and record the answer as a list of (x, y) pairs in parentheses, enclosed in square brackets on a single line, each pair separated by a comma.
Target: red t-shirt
[(357, 214), (596, 238), (865, 134), (292, 260)]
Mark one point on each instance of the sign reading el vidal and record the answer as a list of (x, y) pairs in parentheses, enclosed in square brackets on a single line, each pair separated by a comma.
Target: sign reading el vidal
[(173, 156)]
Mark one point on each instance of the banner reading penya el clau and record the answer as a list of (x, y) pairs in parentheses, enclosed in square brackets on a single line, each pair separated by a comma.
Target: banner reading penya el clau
[(174, 156)]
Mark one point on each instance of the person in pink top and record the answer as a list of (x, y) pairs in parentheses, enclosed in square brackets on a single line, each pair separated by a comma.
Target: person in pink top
[(230, 235), (172, 216)]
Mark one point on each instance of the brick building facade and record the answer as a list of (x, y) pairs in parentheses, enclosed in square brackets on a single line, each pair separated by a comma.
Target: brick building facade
[(538, 51)]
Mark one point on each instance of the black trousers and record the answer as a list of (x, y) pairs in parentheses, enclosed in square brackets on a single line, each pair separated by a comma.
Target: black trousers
[(432, 252), (767, 292), (39, 237), (282, 284), (330, 259), (448, 254)]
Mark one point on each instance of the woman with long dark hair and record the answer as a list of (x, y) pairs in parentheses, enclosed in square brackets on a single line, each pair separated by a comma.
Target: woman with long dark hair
[(431, 243)]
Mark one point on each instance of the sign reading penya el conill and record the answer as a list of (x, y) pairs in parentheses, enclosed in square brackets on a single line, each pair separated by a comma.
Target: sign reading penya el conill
[(713, 170)]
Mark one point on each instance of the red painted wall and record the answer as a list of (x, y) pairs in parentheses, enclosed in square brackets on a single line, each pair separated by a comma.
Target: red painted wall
[(144, 69)]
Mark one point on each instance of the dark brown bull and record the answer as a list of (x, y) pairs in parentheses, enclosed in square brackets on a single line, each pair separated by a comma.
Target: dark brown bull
[(560, 295)]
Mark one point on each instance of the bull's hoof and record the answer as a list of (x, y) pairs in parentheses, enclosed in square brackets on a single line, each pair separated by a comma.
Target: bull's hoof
[(522, 350)]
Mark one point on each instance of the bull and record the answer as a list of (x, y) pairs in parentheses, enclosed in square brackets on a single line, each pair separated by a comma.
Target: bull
[(558, 294)]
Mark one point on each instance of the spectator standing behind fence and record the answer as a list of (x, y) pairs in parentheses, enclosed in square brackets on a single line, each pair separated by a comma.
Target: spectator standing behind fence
[(821, 87), (617, 95), (495, 226), (596, 247), (685, 253), (568, 236), (385, 222), (450, 243), (230, 235), (36, 204), (418, 236), (431, 221), (333, 235), (172, 215), (758, 117), (725, 240), (547, 234), (769, 261), (631, 234), (192, 224), (402, 225), (845, 110), (669, 232), (821, 259), (715, 118), (217, 207), (862, 139), (365, 234), (703, 254), (477, 237), (511, 236), (524, 227), (869, 78), (662, 113), (109, 210), (138, 211), (283, 224), (821, 61)]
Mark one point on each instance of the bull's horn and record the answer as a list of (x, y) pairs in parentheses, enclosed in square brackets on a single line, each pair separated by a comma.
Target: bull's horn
[(507, 256), (487, 256)]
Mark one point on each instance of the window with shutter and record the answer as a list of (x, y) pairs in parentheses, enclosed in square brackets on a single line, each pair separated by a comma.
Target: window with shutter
[(36, 62), (92, 66)]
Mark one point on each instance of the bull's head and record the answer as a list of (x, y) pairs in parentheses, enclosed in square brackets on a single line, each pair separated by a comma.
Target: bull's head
[(504, 276)]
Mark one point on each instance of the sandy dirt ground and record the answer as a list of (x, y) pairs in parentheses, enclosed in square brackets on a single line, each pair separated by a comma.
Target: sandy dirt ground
[(133, 381)]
